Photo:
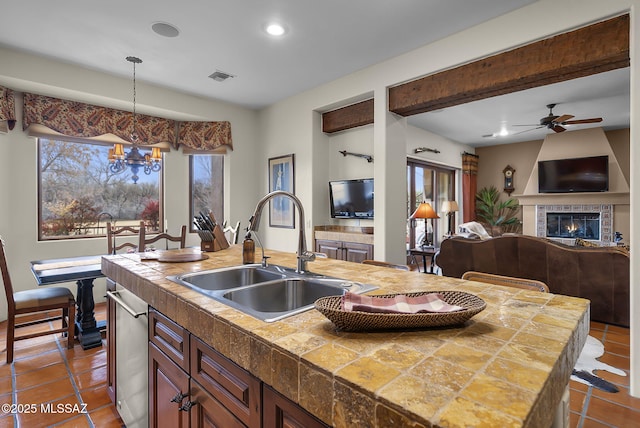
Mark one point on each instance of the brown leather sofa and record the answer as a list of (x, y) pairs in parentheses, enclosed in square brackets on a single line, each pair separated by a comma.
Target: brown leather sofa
[(598, 274)]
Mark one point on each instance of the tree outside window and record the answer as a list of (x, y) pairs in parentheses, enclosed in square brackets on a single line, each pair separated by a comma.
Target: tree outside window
[(78, 194), (207, 185)]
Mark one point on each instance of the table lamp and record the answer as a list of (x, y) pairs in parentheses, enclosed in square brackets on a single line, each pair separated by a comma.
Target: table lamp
[(425, 211), (450, 207)]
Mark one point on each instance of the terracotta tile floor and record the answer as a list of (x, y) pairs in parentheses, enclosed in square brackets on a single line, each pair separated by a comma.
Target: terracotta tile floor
[(591, 407), (45, 372)]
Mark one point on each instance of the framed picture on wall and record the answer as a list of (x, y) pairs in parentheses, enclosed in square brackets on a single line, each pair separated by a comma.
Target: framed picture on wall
[(281, 209)]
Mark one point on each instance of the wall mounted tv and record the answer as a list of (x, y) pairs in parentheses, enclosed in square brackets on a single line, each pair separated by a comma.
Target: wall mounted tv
[(589, 174), (351, 198)]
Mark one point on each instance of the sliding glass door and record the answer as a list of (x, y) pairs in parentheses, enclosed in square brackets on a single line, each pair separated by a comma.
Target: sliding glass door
[(433, 184)]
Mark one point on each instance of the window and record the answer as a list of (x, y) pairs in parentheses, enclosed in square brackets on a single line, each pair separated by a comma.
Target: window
[(432, 184), (78, 194), (206, 182)]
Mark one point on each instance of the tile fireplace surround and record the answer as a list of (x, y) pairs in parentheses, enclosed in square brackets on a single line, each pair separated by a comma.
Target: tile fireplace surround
[(606, 220)]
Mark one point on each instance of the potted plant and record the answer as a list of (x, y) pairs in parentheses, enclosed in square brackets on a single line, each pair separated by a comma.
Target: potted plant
[(498, 216)]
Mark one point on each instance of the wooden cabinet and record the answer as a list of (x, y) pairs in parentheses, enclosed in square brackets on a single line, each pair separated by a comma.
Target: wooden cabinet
[(168, 391), (169, 382), (230, 384), (192, 385), (344, 250), (210, 412), (280, 412), (356, 252), (170, 338)]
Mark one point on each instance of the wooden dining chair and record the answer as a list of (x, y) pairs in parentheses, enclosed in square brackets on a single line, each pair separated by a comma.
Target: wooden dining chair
[(234, 232), (389, 265), (34, 301), (145, 241), (113, 233), (509, 281)]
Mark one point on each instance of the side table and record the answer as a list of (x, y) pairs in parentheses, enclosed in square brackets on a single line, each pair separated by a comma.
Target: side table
[(430, 251)]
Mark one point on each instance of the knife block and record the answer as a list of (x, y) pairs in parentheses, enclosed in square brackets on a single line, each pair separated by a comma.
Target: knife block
[(207, 246), (219, 241)]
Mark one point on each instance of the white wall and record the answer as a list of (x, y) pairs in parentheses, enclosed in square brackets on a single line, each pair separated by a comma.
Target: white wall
[(18, 158), (358, 140), (450, 155)]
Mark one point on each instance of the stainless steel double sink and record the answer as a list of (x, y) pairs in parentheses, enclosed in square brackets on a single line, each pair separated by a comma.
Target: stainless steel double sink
[(267, 293)]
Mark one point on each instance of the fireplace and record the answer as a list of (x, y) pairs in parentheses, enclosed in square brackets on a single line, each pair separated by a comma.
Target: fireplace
[(573, 225), (565, 223)]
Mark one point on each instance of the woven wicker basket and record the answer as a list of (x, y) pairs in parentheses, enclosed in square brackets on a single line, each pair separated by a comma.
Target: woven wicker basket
[(330, 307)]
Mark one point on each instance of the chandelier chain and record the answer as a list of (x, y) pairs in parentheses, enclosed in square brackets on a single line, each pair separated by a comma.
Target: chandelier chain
[(135, 160), (134, 136), (134, 99)]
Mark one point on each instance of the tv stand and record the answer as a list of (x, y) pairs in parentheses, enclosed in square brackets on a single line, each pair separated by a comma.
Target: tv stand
[(353, 244)]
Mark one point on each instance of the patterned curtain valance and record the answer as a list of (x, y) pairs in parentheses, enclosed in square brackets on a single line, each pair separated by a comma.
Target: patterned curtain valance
[(78, 119), (7, 107), (205, 135), (469, 163)]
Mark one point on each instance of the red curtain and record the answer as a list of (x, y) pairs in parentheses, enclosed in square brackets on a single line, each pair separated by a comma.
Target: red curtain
[(7, 107), (469, 186)]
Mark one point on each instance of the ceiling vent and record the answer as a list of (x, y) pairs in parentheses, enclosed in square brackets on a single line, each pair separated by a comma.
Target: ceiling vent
[(220, 76)]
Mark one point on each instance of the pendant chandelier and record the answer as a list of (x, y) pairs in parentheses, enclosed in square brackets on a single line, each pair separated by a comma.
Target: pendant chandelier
[(119, 160)]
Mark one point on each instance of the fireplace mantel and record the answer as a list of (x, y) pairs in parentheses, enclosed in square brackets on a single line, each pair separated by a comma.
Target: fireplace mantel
[(613, 198)]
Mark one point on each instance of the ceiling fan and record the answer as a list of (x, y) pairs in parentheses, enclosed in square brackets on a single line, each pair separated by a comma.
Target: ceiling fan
[(557, 123)]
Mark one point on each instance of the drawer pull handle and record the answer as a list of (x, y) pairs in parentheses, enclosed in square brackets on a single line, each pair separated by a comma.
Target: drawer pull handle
[(178, 398), (186, 406)]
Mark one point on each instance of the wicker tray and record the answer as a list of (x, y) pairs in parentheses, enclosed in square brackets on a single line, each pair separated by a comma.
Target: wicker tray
[(366, 321)]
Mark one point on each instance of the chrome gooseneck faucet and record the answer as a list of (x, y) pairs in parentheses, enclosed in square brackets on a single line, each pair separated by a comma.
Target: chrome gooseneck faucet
[(304, 256)]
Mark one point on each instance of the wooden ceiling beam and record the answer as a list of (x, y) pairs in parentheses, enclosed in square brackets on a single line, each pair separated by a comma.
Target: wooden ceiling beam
[(597, 48), (348, 117)]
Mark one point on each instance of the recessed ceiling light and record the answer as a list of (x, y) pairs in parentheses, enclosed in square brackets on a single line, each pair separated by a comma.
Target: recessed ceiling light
[(165, 29), (275, 29)]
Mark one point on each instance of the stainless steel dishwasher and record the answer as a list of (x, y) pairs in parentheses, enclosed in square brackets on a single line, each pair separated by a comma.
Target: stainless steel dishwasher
[(131, 323)]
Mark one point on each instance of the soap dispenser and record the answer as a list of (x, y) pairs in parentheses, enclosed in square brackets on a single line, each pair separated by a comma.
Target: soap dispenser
[(248, 249)]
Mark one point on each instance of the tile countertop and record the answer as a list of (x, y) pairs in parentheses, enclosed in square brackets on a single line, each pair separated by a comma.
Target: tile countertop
[(508, 366)]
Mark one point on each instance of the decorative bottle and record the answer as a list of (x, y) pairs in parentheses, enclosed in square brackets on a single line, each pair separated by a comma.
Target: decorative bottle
[(248, 250)]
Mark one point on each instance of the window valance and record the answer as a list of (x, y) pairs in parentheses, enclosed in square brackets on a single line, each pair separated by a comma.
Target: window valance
[(7, 107), (77, 119), (205, 135), (80, 120)]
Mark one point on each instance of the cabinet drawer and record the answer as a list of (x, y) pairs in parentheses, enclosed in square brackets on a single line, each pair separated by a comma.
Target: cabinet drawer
[(228, 383), (170, 338)]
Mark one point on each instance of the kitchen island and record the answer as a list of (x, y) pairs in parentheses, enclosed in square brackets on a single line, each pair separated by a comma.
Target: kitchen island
[(508, 366)]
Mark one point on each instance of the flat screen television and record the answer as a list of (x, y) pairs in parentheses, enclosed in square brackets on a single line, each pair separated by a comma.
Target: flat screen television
[(351, 198), (590, 174)]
